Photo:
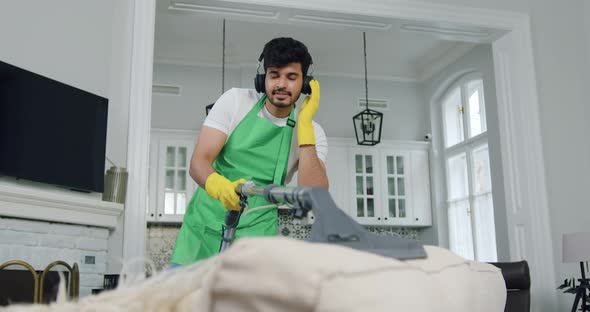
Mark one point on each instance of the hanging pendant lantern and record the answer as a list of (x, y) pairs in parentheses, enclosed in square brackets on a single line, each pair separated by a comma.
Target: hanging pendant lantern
[(368, 123), (210, 106)]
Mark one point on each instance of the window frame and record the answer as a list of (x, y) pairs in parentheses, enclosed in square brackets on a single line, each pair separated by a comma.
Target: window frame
[(468, 145)]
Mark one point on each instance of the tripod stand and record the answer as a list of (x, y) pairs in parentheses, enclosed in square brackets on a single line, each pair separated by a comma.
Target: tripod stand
[(581, 291)]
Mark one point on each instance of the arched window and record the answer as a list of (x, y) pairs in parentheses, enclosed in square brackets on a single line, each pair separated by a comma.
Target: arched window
[(470, 208)]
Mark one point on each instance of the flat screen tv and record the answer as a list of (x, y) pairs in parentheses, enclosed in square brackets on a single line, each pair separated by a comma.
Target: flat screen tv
[(51, 132)]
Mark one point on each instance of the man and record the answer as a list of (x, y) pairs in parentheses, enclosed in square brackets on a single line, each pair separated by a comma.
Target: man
[(249, 136)]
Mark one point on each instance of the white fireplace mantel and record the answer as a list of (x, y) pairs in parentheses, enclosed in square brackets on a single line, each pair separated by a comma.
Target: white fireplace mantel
[(37, 201)]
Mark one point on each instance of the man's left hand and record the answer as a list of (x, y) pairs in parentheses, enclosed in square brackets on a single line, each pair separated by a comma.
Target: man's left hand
[(305, 132)]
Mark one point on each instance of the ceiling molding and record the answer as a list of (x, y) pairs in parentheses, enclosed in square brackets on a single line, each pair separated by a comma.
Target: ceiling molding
[(341, 22), (455, 33), (223, 11)]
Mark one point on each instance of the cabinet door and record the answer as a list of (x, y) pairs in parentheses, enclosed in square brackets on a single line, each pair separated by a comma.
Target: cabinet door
[(364, 199), (175, 186), (396, 178), (420, 189), (338, 176)]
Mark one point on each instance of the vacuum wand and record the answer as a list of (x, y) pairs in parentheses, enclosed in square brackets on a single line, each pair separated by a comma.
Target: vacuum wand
[(294, 196)]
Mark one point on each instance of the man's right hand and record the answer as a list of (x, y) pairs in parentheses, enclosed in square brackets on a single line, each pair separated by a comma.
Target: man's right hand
[(222, 189)]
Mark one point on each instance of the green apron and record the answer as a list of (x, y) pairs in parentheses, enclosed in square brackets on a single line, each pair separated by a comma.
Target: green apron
[(257, 150)]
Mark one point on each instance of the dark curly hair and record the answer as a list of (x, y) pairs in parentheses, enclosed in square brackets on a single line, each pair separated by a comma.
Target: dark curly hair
[(282, 51)]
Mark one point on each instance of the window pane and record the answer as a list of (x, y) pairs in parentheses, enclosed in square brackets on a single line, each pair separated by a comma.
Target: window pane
[(389, 164), (476, 108), (359, 185), (181, 180), (369, 163), (460, 236), (369, 185), (453, 121), (401, 189), (360, 207), (182, 157), (392, 208), (457, 179), (399, 160), (402, 208), (481, 170), (358, 159), (169, 180), (180, 203), (370, 207), (170, 156), (169, 203), (485, 233), (391, 186)]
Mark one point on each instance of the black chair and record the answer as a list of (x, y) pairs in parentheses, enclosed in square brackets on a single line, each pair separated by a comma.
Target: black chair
[(518, 285)]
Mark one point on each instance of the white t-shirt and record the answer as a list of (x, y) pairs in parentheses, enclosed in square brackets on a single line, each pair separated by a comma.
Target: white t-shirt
[(234, 105)]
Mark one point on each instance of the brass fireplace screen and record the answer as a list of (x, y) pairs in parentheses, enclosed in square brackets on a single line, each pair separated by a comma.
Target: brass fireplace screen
[(40, 280)]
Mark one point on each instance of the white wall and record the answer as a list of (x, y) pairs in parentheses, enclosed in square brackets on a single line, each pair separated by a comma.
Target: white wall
[(199, 86), (558, 29), (75, 43), (480, 60), (79, 43), (66, 40), (406, 118)]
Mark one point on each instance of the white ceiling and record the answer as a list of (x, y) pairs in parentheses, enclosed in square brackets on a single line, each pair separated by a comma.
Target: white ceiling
[(190, 33)]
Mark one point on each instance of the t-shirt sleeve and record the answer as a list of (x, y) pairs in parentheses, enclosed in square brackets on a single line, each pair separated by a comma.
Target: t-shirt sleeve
[(321, 142), (221, 115)]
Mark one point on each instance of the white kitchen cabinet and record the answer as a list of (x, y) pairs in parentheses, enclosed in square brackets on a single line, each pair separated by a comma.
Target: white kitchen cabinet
[(171, 186), (385, 185)]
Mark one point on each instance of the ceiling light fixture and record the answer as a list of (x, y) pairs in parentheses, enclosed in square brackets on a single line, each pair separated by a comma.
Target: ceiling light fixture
[(368, 123)]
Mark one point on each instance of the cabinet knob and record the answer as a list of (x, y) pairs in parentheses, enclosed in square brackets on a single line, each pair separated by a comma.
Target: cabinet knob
[(416, 219), (385, 218), (151, 214), (159, 215), (379, 218)]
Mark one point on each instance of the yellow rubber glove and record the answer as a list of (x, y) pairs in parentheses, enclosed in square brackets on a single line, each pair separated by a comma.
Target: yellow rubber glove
[(222, 189), (305, 134)]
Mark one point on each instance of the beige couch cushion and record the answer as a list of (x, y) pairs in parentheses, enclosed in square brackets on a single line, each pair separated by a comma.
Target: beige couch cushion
[(281, 274)]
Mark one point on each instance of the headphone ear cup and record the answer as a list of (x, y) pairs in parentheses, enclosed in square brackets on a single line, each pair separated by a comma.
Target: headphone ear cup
[(306, 89), (259, 83)]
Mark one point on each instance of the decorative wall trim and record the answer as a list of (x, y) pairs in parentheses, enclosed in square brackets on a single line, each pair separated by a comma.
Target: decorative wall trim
[(50, 203), (522, 158), (140, 104)]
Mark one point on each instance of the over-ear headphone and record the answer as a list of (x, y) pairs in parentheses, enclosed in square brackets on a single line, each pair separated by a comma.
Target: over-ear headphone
[(259, 80)]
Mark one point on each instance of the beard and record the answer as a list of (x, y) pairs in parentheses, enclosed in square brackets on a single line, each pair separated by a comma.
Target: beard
[(288, 101)]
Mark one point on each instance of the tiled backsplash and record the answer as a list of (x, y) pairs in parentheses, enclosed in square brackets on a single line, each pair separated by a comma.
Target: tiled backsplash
[(162, 237)]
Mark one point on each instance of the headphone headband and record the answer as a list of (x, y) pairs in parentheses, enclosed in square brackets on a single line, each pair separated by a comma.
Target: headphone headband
[(259, 79)]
